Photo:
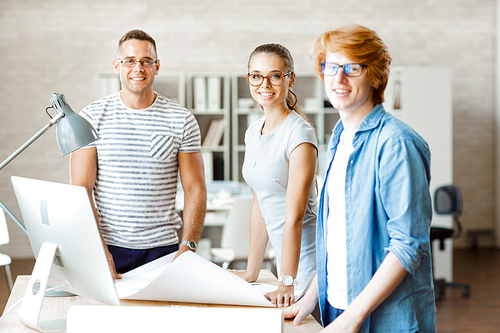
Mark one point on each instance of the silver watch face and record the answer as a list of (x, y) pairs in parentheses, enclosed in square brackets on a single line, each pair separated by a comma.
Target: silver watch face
[(287, 280), (191, 245)]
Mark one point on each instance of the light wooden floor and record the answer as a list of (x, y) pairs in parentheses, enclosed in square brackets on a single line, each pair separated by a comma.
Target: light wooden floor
[(478, 313)]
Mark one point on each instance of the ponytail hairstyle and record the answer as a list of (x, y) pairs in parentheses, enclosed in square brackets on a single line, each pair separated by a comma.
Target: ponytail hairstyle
[(282, 53)]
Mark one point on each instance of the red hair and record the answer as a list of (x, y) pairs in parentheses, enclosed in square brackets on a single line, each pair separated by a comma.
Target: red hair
[(360, 45)]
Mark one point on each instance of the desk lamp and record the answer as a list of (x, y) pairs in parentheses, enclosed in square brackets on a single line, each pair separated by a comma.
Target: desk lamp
[(73, 132)]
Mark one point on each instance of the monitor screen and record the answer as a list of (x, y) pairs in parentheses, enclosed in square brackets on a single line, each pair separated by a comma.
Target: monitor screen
[(61, 214)]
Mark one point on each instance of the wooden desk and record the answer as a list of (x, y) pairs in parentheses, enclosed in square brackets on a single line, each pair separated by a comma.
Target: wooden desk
[(57, 307)]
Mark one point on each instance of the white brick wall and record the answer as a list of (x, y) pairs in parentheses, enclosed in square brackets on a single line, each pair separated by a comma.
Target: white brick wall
[(58, 46)]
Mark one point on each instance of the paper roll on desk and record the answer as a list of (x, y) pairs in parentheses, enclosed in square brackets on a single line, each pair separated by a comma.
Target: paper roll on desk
[(191, 279), (125, 319)]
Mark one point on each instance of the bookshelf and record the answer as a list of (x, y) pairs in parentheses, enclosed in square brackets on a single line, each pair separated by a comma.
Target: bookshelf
[(310, 93), (208, 98)]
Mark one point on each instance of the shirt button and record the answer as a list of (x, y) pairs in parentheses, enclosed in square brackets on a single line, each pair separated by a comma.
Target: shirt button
[(350, 243)]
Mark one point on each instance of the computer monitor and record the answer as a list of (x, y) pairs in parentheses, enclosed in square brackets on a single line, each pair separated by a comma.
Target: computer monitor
[(67, 245)]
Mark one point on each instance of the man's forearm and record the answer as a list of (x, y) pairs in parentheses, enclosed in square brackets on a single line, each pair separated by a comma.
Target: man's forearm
[(195, 206), (388, 276)]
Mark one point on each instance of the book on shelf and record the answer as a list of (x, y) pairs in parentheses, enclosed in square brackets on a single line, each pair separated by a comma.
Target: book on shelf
[(200, 93), (214, 93), (397, 95), (208, 162), (214, 133)]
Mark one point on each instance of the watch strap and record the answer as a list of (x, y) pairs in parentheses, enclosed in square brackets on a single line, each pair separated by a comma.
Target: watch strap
[(192, 245)]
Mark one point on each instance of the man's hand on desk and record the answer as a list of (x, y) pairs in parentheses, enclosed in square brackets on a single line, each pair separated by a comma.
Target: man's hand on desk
[(111, 264), (302, 308), (184, 246), (182, 249)]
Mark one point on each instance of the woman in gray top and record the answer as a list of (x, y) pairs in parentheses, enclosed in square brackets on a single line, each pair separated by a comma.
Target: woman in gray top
[(280, 166)]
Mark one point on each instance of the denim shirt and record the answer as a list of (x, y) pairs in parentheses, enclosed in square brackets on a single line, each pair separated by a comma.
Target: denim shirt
[(388, 209)]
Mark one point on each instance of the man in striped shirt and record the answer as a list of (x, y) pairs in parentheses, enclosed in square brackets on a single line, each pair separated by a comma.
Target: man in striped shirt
[(131, 171)]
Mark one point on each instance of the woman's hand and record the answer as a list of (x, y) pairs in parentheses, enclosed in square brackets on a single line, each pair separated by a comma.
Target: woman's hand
[(282, 297)]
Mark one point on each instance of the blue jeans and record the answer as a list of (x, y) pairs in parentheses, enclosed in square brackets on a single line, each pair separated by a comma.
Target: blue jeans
[(330, 314), (128, 259)]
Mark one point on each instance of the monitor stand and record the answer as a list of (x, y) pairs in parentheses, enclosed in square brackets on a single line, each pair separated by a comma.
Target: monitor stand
[(29, 314)]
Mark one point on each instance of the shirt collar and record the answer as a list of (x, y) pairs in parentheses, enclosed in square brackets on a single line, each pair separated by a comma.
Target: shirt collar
[(371, 121)]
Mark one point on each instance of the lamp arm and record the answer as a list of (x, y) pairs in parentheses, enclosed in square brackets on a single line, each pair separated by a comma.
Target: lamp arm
[(51, 123), (13, 217)]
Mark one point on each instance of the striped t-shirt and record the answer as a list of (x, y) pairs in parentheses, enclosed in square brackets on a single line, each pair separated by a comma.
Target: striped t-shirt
[(137, 169)]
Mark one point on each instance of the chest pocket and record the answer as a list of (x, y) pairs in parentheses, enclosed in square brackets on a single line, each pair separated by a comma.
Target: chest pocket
[(163, 147)]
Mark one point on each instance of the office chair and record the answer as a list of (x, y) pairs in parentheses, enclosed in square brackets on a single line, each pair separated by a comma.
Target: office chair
[(447, 201), (5, 260)]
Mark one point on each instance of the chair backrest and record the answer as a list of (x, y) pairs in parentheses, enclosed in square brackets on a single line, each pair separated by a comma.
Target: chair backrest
[(448, 201), (236, 231), (4, 231)]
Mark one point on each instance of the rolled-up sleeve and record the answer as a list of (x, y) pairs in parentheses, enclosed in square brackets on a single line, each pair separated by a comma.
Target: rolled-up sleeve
[(404, 191)]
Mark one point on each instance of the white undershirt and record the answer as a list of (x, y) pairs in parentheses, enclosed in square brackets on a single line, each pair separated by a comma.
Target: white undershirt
[(336, 227)]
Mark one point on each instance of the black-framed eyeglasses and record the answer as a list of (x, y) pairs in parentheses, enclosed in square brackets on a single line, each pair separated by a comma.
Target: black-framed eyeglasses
[(133, 62), (275, 79), (331, 68)]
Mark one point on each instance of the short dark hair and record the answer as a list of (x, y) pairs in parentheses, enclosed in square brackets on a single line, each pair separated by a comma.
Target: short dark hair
[(139, 35)]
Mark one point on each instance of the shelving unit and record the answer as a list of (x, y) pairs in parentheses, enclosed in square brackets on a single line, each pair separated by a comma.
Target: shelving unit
[(208, 98), (309, 91)]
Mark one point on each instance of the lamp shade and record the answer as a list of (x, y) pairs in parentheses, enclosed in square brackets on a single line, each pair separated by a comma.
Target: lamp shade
[(73, 131)]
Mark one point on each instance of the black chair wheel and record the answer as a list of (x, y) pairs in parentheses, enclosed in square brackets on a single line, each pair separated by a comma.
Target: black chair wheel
[(466, 291)]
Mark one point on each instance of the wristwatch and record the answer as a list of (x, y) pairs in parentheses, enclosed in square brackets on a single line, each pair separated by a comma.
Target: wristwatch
[(288, 280), (192, 245)]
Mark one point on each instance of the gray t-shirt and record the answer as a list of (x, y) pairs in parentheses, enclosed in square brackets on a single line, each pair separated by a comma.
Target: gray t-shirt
[(266, 170)]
